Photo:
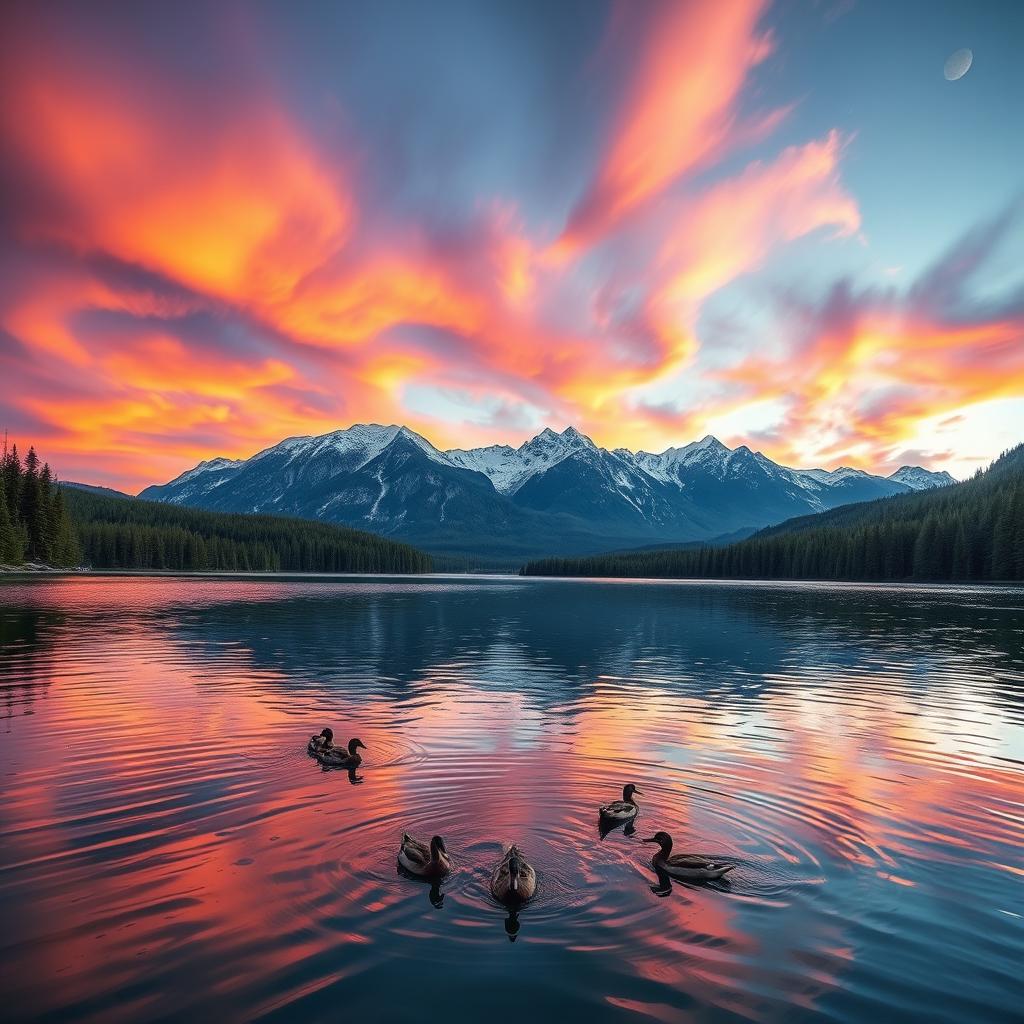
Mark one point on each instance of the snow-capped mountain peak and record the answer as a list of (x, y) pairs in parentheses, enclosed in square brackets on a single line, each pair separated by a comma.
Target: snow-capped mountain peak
[(214, 465), (509, 468), (918, 478), (498, 462), (708, 452), (572, 436), (218, 463), (707, 443), (831, 476), (424, 445), (567, 441), (355, 445)]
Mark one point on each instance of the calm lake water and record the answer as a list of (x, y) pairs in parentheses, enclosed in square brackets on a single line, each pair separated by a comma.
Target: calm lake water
[(169, 851)]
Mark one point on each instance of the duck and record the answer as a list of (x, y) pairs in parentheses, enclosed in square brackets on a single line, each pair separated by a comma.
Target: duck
[(422, 860), (688, 867), (621, 810), (514, 880), (322, 742), (323, 749)]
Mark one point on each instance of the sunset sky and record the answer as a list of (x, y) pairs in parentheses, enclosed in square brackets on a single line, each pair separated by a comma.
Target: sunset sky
[(223, 224)]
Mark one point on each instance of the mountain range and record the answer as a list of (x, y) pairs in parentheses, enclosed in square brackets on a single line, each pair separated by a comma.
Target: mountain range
[(558, 492), (972, 530)]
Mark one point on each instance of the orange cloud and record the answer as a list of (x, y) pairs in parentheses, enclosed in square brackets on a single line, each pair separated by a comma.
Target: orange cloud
[(729, 231), (245, 211), (870, 370), (679, 110), (357, 304), (163, 363)]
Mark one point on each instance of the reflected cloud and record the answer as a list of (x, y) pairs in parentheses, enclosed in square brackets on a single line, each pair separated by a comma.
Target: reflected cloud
[(832, 741)]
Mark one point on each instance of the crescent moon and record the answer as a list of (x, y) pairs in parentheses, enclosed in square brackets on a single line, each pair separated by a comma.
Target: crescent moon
[(958, 64)]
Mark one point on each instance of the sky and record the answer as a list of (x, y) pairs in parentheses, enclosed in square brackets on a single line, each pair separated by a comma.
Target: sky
[(225, 224)]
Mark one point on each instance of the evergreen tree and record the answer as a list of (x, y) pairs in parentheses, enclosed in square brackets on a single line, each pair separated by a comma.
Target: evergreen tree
[(10, 542), (926, 561), (1003, 555), (63, 543), (32, 512), (11, 472), (961, 559)]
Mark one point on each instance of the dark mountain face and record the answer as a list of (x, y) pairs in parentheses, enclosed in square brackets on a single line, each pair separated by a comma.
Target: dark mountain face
[(406, 489), (604, 488), (725, 488), (393, 483), (556, 493)]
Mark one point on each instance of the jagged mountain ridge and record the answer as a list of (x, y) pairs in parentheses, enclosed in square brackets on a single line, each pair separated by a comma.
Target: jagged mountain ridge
[(556, 492), (918, 479)]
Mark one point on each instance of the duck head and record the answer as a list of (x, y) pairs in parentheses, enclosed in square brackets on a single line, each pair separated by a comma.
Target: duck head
[(627, 793), (514, 867), (354, 745), (437, 847), (663, 839), (327, 735)]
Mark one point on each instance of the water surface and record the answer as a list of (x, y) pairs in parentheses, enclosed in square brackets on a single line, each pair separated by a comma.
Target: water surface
[(169, 852)]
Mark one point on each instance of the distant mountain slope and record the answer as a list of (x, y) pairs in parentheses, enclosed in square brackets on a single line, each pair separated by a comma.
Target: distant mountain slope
[(95, 489), (556, 492), (967, 531), (129, 533)]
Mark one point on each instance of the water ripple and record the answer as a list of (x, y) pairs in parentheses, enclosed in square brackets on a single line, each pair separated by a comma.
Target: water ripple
[(170, 850)]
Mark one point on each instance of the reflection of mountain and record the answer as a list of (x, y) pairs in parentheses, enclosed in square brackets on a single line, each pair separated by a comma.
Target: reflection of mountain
[(553, 640)]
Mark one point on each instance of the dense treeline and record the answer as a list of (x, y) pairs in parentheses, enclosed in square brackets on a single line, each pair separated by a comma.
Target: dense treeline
[(34, 522), (968, 531), (126, 533), (45, 522)]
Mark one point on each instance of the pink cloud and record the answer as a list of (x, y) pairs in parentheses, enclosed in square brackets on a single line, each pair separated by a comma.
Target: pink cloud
[(679, 111)]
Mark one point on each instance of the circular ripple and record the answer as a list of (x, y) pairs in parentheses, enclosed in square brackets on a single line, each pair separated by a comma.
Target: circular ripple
[(158, 789)]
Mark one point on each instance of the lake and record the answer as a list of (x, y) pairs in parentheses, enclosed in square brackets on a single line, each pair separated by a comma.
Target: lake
[(170, 852)]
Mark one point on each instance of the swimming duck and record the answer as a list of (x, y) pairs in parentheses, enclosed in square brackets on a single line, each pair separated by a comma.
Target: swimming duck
[(426, 861), (514, 880), (621, 810), (323, 749), (688, 867), (322, 742)]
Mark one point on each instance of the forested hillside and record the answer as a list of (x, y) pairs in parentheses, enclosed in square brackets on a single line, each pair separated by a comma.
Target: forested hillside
[(118, 533), (968, 531)]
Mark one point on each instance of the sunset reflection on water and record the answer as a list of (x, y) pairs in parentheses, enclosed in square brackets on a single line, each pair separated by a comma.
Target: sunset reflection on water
[(169, 850)]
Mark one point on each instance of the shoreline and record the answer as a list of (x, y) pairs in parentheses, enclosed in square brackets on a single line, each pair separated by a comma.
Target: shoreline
[(39, 569), (49, 572)]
